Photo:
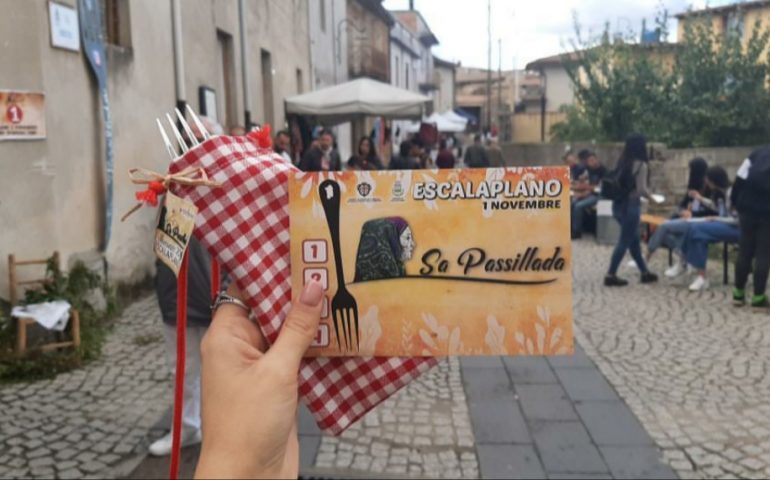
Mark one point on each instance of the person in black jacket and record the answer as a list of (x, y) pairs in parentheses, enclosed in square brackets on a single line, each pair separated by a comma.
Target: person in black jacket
[(199, 301), (751, 197)]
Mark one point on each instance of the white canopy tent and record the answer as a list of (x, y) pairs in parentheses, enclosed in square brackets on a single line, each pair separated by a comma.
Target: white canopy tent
[(451, 115), (355, 99), (443, 124)]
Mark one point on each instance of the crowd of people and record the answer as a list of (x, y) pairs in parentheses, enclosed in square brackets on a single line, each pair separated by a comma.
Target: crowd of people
[(413, 153), (713, 210)]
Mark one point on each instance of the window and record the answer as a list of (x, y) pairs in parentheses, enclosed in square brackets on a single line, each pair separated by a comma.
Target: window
[(116, 22), (732, 23), (228, 108), (300, 82), (267, 87), (395, 74), (322, 15)]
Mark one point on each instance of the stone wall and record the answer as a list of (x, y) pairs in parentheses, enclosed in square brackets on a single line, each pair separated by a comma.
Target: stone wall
[(668, 168)]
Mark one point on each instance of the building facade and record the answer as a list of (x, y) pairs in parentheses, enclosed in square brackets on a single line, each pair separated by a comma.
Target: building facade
[(444, 75), (327, 21), (53, 189)]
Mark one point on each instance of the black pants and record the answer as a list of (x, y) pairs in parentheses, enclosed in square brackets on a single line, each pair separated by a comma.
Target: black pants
[(754, 245)]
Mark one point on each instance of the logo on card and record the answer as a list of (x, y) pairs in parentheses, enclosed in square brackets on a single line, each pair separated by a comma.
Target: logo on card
[(398, 193), (364, 189)]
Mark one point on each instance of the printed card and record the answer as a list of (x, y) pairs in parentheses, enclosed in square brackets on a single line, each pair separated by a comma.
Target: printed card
[(436, 262), (176, 222)]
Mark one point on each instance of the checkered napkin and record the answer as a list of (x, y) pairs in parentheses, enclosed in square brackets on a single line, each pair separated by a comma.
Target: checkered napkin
[(245, 225)]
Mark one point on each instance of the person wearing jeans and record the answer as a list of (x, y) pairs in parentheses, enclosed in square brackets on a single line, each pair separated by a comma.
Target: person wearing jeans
[(628, 210), (696, 245), (751, 197)]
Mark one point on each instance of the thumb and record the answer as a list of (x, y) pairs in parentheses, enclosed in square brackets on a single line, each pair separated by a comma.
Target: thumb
[(300, 327)]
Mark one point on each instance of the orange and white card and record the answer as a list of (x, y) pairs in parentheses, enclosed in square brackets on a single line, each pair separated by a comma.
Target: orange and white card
[(436, 262)]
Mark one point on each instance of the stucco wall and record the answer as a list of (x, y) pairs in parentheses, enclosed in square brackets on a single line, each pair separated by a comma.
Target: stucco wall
[(53, 189), (558, 88)]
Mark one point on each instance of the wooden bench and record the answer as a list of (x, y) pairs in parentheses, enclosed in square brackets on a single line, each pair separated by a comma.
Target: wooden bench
[(651, 222), (15, 287)]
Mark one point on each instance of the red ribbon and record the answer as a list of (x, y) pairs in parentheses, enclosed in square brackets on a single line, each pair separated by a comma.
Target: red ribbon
[(261, 137), (151, 194), (181, 341)]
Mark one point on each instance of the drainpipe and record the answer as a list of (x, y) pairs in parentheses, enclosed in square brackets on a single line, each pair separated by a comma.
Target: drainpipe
[(176, 26), (544, 83), (244, 66)]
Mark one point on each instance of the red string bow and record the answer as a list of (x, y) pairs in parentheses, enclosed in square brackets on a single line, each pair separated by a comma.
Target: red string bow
[(262, 136), (150, 196)]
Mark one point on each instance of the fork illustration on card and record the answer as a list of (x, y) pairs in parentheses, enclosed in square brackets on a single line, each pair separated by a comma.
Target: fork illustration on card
[(344, 309)]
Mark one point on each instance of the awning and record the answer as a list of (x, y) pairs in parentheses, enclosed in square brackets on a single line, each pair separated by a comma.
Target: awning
[(442, 123), (358, 98)]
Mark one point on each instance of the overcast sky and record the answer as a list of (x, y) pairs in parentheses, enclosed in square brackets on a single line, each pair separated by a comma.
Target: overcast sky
[(530, 29)]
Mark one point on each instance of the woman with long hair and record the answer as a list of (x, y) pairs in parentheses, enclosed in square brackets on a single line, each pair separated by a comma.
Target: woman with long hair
[(366, 158), (633, 174)]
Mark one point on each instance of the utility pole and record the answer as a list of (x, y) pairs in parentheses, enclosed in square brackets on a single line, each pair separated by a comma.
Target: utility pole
[(489, 64), (499, 76)]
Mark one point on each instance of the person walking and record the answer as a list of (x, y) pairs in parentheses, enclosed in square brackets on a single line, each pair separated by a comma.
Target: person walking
[(476, 155), (321, 157), (751, 198), (632, 173), (198, 320)]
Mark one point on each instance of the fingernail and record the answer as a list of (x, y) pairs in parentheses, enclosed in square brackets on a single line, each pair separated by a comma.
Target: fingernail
[(312, 294)]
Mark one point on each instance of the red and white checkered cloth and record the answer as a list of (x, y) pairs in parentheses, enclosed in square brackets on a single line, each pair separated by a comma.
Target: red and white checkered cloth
[(245, 225)]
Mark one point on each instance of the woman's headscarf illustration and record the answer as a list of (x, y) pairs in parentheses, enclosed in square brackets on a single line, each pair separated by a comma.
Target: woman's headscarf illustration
[(385, 245)]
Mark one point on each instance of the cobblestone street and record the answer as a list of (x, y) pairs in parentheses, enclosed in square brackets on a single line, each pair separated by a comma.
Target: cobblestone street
[(692, 369), (84, 423)]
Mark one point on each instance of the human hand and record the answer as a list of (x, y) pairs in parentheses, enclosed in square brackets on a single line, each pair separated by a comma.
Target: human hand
[(694, 194), (686, 214), (249, 396)]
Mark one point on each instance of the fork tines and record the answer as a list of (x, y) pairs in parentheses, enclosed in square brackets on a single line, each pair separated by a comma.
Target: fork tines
[(186, 141)]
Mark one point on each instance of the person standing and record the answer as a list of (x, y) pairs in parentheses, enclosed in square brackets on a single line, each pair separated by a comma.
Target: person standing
[(495, 154), (751, 198), (445, 158), (476, 155), (632, 173), (584, 188), (322, 157), (198, 320), (282, 144), (367, 158)]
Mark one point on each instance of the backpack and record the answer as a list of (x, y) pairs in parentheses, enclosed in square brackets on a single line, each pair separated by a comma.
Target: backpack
[(618, 184)]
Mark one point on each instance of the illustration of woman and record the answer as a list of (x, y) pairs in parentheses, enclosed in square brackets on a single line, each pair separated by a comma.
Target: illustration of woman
[(386, 245)]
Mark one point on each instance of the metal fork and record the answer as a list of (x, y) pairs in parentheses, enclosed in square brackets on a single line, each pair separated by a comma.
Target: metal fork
[(344, 307), (183, 146)]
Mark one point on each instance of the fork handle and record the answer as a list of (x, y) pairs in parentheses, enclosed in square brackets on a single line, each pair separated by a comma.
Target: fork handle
[(329, 191)]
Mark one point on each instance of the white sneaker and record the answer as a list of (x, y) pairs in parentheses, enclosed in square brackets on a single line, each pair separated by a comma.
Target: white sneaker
[(699, 284), (162, 446), (674, 270)]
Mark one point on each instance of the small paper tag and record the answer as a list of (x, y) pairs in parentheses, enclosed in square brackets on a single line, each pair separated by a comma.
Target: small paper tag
[(175, 226)]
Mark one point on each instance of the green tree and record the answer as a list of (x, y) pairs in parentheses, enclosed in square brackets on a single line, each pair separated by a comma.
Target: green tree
[(714, 94)]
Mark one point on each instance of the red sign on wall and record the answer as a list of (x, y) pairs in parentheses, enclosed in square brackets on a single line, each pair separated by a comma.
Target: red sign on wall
[(23, 115)]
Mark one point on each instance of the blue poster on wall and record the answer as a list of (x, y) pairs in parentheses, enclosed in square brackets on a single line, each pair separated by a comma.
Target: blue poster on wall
[(93, 45)]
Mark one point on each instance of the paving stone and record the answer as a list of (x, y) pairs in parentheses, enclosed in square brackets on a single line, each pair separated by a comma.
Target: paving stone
[(585, 384), (487, 384), (611, 423), (509, 461), (545, 402), (498, 421), (566, 447), (636, 462), (529, 370)]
